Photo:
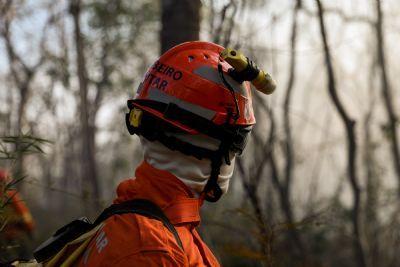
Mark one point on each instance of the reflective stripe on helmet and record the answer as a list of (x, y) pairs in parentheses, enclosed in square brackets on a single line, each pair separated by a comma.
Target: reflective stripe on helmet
[(160, 96), (212, 74)]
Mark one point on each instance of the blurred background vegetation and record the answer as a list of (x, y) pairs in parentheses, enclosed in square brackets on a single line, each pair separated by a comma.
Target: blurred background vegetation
[(318, 185)]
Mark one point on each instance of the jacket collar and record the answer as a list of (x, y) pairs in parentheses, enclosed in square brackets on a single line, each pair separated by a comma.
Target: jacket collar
[(163, 189)]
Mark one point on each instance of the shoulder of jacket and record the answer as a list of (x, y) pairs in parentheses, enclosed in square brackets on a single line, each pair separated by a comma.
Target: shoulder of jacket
[(129, 237), (140, 233)]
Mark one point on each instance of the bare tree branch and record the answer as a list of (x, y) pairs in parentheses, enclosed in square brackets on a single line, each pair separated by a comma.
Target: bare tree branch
[(289, 151), (269, 155), (372, 178), (349, 125), (231, 25), (286, 107), (339, 12), (218, 32), (387, 94)]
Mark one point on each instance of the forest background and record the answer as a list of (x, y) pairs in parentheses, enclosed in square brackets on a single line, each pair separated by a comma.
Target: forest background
[(319, 183)]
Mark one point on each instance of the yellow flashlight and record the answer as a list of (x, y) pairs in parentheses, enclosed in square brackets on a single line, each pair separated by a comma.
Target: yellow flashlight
[(262, 81)]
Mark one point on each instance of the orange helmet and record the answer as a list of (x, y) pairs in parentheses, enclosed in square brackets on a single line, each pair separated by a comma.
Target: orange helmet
[(188, 76), (189, 90)]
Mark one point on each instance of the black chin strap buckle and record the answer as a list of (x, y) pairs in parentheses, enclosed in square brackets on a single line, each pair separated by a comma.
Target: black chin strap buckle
[(212, 191)]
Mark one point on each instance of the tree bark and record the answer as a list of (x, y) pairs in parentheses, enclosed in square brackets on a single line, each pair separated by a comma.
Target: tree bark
[(349, 125), (373, 185), (289, 151), (283, 186), (90, 186), (180, 21), (387, 94), (286, 107)]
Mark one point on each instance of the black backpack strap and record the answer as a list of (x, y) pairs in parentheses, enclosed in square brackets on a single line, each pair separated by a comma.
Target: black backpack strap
[(61, 237), (143, 207), (78, 227)]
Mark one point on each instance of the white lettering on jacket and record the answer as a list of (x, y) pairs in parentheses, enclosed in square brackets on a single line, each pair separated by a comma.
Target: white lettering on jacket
[(101, 242)]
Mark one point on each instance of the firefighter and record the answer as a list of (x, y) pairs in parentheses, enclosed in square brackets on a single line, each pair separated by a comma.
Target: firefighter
[(16, 223), (193, 113)]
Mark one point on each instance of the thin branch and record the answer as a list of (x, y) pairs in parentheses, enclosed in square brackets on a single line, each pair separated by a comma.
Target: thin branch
[(387, 94), (349, 125), (88, 164), (231, 25), (286, 107), (218, 31), (339, 12)]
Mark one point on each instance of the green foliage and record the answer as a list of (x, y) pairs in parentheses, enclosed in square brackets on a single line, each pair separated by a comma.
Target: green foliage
[(24, 144), (12, 148)]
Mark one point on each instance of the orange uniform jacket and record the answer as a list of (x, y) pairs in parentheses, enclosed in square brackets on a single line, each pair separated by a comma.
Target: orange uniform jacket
[(135, 240)]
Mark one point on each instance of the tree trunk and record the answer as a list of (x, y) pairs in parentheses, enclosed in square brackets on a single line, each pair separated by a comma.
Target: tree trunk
[(180, 21), (373, 185), (349, 125), (285, 187), (387, 93), (90, 185)]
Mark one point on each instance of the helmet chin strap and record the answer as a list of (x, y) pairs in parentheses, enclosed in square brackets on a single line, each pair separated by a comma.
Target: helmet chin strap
[(212, 191)]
